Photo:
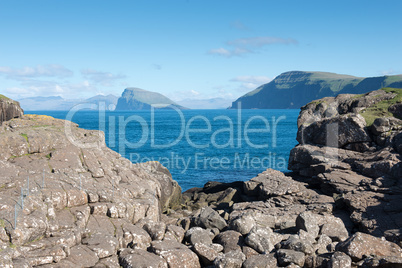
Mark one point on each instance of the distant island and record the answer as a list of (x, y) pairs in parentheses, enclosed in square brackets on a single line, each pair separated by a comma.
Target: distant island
[(57, 103), (140, 99), (291, 90)]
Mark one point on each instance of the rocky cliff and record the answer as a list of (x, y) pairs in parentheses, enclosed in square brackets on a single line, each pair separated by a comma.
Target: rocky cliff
[(9, 109), (294, 89), (350, 147), (68, 201)]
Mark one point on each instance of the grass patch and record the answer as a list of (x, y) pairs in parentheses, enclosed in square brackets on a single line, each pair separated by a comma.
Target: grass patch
[(25, 136), (381, 109), (2, 97)]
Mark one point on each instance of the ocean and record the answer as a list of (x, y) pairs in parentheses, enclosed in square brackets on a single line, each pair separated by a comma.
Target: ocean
[(197, 146)]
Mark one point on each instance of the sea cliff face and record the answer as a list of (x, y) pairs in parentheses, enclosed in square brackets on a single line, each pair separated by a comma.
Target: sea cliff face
[(9, 109)]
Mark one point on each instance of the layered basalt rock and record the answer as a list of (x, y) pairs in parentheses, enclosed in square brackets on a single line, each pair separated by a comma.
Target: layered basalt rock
[(9, 109), (69, 201), (350, 146)]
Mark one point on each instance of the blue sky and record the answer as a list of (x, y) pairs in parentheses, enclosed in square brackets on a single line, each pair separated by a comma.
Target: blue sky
[(189, 49)]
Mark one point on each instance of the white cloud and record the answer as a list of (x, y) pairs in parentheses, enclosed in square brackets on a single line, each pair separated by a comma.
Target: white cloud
[(103, 78), (243, 46), (249, 82), (388, 72), (51, 70), (228, 53), (34, 88)]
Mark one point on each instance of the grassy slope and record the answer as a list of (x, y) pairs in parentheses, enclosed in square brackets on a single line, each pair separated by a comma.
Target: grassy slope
[(2, 97), (381, 109)]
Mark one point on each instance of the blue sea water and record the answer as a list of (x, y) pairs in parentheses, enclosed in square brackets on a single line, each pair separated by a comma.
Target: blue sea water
[(197, 146)]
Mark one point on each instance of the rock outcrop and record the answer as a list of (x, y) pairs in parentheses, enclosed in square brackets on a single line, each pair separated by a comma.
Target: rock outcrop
[(9, 109), (69, 201), (350, 147)]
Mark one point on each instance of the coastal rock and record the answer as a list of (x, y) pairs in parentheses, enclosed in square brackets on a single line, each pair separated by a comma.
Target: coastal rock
[(261, 261), (260, 239), (232, 259), (198, 235), (287, 257), (360, 245), (340, 260), (230, 240), (209, 218), (175, 254), (141, 259), (9, 109)]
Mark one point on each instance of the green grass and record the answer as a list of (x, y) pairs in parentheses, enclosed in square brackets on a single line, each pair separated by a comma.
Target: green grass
[(25, 136), (381, 109), (2, 97)]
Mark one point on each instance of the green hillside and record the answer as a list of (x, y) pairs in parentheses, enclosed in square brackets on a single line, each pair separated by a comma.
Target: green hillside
[(291, 90)]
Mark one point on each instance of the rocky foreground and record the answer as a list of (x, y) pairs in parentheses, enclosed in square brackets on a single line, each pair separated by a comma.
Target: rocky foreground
[(89, 207)]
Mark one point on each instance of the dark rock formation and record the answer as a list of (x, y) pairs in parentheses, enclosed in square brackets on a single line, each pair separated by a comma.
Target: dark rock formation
[(9, 109)]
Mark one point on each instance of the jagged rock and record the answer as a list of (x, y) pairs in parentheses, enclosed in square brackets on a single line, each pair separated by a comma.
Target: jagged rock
[(296, 244), (340, 260), (230, 240), (323, 245), (174, 232), (307, 221), (335, 132), (396, 109), (209, 218), (248, 251), (109, 262), (206, 253), (170, 189), (232, 259), (9, 109), (287, 256), (155, 229), (82, 256), (197, 235), (360, 244), (175, 254), (382, 262), (261, 261), (242, 224), (273, 183), (335, 229), (103, 245), (140, 259), (135, 237), (260, 239)]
